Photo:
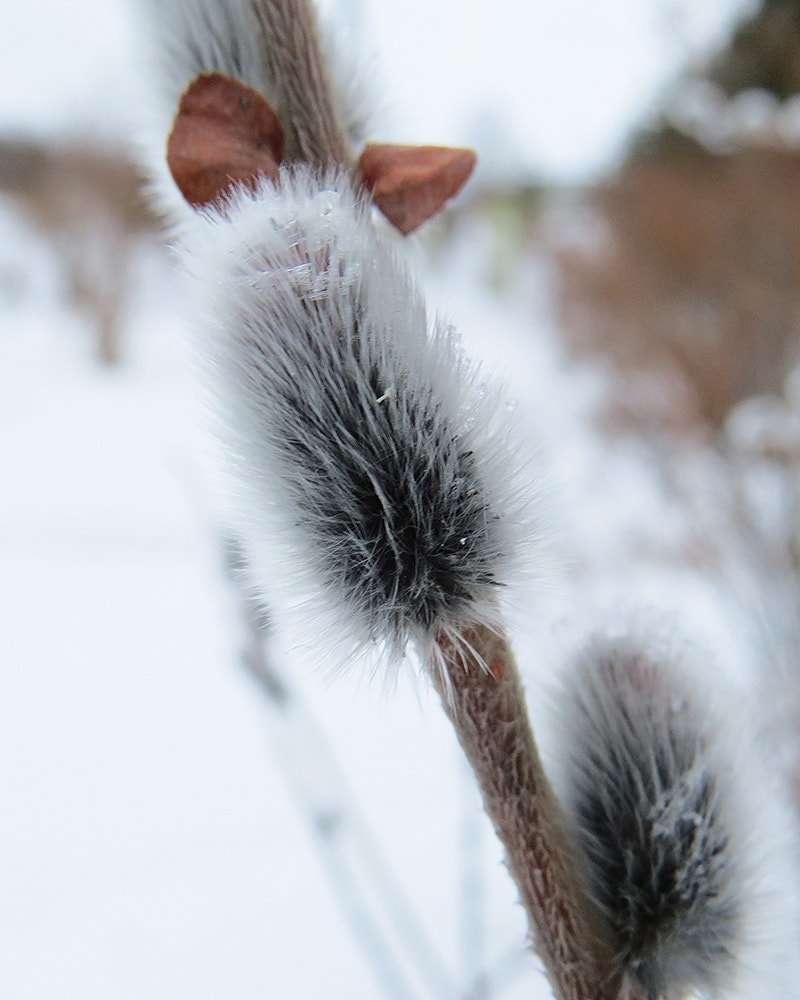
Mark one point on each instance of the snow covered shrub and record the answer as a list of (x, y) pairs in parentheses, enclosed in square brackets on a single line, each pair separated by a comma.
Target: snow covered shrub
[(87, 203)]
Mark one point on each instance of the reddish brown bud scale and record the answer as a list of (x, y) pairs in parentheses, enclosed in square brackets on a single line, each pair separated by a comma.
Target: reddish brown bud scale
[(225, 133), (410, 184)]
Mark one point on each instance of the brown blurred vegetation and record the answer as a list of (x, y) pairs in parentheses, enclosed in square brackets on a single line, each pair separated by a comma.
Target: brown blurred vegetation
[(692, 274), (763, 52), (87, 202)]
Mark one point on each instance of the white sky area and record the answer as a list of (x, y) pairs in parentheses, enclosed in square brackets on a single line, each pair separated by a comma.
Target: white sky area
[(558, 84)]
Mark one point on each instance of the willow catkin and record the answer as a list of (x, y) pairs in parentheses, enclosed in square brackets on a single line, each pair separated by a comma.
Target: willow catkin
[(661, 789), (378, 489)]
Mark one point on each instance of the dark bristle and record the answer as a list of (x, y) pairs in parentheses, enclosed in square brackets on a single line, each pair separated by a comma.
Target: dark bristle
[(399, 532), (647, 808), (384, 482)]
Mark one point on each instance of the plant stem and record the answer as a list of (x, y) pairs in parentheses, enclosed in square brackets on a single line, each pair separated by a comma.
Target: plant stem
[(481, 692), (290, 44)]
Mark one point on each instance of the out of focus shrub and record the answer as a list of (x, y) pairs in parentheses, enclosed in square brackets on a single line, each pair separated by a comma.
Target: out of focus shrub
[(691, 275), (88, 205)]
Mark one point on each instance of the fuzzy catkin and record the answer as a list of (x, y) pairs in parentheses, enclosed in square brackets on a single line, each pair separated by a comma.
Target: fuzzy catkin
[(650, 794), (374, 471)]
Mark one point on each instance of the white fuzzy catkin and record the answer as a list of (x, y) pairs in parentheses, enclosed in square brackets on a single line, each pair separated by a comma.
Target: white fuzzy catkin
[(676, 824), (376, 488), (375, 478)]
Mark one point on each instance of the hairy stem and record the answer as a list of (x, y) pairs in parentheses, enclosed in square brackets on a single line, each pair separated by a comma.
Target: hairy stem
[(291, 48), (487, 709)]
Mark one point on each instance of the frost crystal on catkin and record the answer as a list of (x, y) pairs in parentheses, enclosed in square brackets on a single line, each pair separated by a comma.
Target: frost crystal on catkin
[(649, 790), (376, 485)]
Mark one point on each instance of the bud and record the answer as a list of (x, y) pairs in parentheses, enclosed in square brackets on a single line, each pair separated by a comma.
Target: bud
[(673, 825), (373, 468)]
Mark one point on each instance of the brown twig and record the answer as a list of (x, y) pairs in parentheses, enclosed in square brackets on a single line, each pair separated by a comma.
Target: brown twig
[(482, 694), (291, 48)]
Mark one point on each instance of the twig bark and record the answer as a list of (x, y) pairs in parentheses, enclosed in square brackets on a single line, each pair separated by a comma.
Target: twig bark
[(290, 44), (482, 694)]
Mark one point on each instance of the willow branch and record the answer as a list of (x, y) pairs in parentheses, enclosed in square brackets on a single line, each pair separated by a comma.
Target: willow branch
[(487, 709)]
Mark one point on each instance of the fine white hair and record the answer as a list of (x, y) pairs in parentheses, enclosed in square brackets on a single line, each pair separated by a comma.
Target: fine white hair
[(378, 492)]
